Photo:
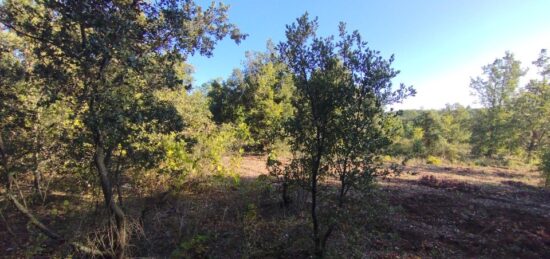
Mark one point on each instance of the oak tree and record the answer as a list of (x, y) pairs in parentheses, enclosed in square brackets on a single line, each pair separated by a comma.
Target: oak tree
[(341, 124)]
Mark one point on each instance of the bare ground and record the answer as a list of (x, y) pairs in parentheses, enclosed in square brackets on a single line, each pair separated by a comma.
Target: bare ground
[(442, 211)]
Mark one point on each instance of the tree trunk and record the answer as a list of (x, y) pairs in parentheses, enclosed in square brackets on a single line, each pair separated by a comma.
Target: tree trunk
[(36, 172), (286, 199), (531, 147), (318, 251), (36, 181), (120, 219), (342, 190), (100, 159), (314, 173), (4, 161), (118, 184)]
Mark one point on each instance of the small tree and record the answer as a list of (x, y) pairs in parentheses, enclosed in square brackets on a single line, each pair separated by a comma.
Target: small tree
[(432, 136), (455, 121), (340, 125)]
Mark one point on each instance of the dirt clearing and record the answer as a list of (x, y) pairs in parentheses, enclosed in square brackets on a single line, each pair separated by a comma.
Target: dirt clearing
[(457, 211)]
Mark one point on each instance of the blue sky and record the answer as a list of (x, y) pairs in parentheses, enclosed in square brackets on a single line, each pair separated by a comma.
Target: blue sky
[(438, 44)]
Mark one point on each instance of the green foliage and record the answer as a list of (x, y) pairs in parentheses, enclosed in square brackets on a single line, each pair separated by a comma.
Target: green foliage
[(492, 130), (197, 247), (96, 93), (456, 124), (257, 97), (104, 61), (201, 148), (15, 115), (512, 125), (432, 160), (429, 123), (531, 113), (444, 133)]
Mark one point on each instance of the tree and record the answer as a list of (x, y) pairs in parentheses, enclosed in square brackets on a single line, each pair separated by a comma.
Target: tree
[(340, 126), (437, 133), (532, 110), (225, 98), (455, 127), (259, 95), (32, 140), (200, 148), (432, 132), (456, 123), (495, 91), (408, 141), (106, 58)]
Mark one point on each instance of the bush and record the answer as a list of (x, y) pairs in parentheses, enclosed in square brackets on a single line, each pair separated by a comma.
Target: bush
[(432, 160), (259, 96), (203, 148), (196, 247)]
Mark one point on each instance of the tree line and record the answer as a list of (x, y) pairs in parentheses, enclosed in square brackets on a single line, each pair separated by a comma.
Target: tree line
[(511, 126)]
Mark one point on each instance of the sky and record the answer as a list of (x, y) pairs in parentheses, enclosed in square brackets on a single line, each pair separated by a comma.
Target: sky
[(438, 44)]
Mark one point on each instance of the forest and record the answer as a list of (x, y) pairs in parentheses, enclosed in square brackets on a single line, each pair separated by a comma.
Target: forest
[(109, 150)]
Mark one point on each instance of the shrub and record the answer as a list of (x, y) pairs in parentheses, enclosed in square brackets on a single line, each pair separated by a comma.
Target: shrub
[(432, 160), (193, 248), (203, 148)]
